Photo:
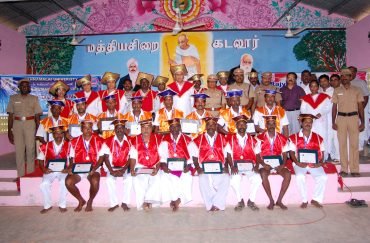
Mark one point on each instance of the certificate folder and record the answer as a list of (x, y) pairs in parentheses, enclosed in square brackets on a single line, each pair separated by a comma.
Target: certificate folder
[(79, 168), (176, 164), (57, 165), (273, 161), (212, 167), (244, 165), (308, 156)]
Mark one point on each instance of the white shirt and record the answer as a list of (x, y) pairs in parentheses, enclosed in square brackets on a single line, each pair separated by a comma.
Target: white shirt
[(163, 150), (293, 147), (242, 142), (100, 153), (57, 148)]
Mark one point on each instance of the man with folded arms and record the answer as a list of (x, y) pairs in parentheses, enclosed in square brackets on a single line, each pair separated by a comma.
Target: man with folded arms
[(166, 113), (199, 113), (211, 149), (226, 122), (24, 116), (243, 148), (310, 141), (76, 118), (176, 185), (271, 108), (54, 120), (117, 150), (216, 100), (55, 150), (144, 166), (86, 148), (274, 144), (93, 102)]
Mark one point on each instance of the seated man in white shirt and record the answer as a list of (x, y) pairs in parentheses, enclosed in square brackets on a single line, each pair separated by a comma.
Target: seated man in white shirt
[(176, 146)]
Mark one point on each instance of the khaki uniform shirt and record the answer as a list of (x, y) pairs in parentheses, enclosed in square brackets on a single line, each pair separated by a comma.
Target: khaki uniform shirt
[(248, 92), (347, 99), (21, 105), (260, 94), (217, 100)]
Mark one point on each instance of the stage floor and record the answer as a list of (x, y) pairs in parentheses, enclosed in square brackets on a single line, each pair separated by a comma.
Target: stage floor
[(336, 223)]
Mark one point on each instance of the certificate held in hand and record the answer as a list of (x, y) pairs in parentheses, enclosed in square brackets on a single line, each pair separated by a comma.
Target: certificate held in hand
[(74, 130), (213, 167), (309, 156), (189, 126), (106, 124), (56, 165), (243, 165), (144, 171), (176, 164), (134, 127), (79, 168), (273, 161)]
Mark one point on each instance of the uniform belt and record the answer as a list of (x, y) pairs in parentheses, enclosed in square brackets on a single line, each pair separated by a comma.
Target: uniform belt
[(213, 109), (24, 118), (293, 109), (355, 113)]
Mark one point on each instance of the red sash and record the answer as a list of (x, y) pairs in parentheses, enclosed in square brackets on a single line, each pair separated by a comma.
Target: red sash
[(93, 95), (245, 153), (206, 152), (180, 148), (185, 87), (48, 150), (314, 142), (119, 153), (278, 145), (84, 156), (119, 94), (147, 156), (315, 103), (148, 100)]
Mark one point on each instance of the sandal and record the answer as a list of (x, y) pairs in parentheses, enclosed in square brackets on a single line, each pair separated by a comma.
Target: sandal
[(252, 205)]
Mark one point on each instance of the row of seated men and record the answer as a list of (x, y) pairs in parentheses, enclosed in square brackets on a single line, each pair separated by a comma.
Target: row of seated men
[(160, 166)]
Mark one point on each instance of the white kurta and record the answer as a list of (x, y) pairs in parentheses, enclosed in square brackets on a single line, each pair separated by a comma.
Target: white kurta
[(47, 181), (111, 180), (318, 175), (253, 177), (185, 102), (172, 186), (319, 126)]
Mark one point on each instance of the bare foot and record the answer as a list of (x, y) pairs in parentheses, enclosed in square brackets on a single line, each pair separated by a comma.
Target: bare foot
[(112, 208), (172, 204), (125, 207), (271, 206), (62, 210), (214, 208), (304, 205), (80, 206), (281, 205), (240, 206), (146, 206), (316, 204), (44, 211), (176, 205), (89, 207)]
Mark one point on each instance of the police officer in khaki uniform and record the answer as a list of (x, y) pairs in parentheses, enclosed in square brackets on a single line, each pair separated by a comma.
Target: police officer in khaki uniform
[(216, 100), (266, 85), (346, 112), (24, 117), (247, 99)]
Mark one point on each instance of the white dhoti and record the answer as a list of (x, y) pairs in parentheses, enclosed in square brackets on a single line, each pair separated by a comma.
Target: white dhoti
[(147, 189), (214, 189), (112, 189), (174, 187), (45, 187), (294, 125), (255, 183), (320, 178)]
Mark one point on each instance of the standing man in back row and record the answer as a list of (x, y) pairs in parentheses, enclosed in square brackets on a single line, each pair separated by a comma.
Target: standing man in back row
[(24, 117)]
